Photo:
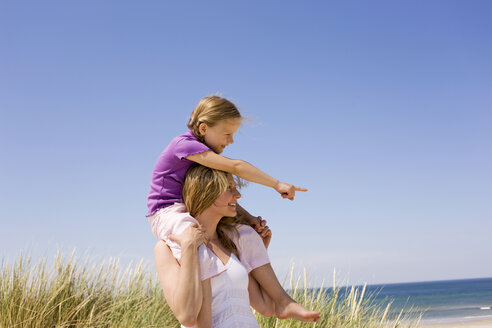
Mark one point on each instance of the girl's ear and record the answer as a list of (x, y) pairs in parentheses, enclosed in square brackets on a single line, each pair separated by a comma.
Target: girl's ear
[(202, 128)]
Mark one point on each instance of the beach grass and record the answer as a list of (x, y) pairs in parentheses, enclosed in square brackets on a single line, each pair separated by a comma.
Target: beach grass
[(78, 293)]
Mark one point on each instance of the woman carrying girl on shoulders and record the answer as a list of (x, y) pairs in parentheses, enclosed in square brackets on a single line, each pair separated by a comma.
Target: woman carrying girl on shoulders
[(212, 126)]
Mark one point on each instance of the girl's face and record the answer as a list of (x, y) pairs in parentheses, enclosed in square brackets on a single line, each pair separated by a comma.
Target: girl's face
[(220, 135), (226, 203)]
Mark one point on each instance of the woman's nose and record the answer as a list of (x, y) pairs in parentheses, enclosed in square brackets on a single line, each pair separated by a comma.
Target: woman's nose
[(237, 194)]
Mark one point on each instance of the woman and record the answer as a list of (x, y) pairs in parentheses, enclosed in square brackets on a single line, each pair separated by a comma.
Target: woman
[(222, 301)]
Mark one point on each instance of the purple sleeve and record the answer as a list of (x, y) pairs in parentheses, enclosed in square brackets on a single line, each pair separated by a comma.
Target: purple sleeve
[(187, 147)]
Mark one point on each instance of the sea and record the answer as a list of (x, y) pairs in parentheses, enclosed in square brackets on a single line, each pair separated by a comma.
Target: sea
[(439, 301)]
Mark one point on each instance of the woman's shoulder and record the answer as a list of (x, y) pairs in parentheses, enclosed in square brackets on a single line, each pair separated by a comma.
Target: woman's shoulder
[(246, 234), (245, 229)]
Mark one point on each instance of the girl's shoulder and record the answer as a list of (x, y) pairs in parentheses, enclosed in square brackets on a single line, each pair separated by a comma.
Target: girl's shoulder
[(185, 137), (186, 144)]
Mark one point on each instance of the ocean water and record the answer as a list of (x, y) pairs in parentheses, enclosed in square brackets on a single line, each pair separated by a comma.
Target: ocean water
[(441, 301)]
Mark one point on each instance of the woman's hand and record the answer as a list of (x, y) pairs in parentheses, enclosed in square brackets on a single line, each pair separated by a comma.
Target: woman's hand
[(287, 190), (193, 236), (264, 231)]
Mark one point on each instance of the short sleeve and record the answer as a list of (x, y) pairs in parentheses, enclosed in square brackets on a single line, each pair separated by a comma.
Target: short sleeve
[(186, 147), (252, 251)]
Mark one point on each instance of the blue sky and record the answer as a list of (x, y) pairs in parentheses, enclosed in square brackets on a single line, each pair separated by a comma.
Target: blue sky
[(382, 109)]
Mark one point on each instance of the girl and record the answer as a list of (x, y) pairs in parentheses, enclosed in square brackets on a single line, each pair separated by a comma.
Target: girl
[(212, 125)]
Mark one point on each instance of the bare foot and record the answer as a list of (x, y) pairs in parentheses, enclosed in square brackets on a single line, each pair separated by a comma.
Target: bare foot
[(296, 311)]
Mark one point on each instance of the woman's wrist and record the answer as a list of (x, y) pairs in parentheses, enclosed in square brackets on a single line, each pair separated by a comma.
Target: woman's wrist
[(189, 247)]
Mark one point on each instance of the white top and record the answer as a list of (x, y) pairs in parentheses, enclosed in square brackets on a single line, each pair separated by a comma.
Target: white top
[(230, 298)]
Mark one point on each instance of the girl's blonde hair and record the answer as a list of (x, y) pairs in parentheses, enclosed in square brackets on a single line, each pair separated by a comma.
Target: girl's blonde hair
[(201, 188), (211, 110)]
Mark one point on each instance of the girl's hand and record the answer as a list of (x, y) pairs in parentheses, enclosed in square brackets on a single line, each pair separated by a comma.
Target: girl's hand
[(253, 221), (287, 190), (264, 231), (193, 236)]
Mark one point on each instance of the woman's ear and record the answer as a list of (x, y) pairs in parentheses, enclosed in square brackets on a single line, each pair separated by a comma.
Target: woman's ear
[(202, 128)]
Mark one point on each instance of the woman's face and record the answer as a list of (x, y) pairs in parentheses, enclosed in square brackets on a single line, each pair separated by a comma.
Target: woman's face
[(226, 203)]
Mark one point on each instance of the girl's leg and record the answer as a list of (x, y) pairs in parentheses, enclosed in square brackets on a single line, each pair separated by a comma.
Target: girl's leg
[(285, 306), (254, 257)]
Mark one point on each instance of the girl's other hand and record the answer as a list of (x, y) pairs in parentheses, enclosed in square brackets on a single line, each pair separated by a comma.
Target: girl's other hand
[(287, 190), (264, 231), (193, 236), (259, 224), (254, 221)]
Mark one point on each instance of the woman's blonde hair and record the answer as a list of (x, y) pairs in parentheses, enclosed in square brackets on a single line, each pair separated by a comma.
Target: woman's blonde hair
[(201, 188), (211, 110)]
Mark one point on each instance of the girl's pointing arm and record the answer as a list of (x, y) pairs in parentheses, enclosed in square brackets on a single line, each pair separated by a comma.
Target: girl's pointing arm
[(245, 171), (237, 167)]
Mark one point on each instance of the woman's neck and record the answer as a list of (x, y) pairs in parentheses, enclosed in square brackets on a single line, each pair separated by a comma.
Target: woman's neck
[(208, 221)]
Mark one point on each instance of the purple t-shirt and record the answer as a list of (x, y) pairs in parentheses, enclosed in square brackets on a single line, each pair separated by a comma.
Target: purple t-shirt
[(170, 170)]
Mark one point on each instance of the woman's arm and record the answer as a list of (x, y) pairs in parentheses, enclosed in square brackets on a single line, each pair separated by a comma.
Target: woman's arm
[(245, 171), (181, 283), (205, 315), (259, 299)]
